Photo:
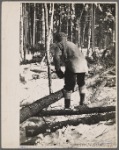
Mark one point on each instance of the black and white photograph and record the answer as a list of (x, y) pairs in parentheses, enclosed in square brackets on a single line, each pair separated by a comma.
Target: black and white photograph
[(67, 73)]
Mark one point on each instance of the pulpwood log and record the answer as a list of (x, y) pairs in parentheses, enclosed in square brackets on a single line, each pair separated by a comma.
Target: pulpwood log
[(52, 127), (82, 110), (37, 106)]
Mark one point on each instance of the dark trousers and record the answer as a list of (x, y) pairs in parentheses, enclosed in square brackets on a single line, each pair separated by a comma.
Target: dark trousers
[(72, 78)]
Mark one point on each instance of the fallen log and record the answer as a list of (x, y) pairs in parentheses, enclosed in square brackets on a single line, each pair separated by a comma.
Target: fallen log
[(52, 127), (37, 106), (82, 110)]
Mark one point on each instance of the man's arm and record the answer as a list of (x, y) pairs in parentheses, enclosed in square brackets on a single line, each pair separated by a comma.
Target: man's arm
[(57, 55)]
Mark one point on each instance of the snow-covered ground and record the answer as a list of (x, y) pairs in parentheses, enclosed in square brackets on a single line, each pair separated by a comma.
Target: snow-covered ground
[(34, 86)]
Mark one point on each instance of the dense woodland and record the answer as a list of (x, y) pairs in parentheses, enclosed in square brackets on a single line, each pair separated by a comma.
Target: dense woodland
[(89, 26)]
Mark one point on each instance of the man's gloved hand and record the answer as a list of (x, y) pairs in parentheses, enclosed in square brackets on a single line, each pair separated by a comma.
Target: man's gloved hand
[(60, 74)]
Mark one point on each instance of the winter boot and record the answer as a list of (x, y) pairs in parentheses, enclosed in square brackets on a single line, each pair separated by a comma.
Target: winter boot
[(67, 103), (67, 96), (82, 93), (82, 98)]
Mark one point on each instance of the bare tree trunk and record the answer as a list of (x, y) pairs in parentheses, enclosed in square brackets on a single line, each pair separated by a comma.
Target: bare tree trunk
[(43, 26), (89, 34), (72, 14), (30, 29), (48, 38), (79, 35), (43, 39), (93, 27), (24, 49), (28, 24), (114, 31), (78, 28), (60, 19), (21, 34), (34, 25), (85, 23), (68, 19), (25, 30)]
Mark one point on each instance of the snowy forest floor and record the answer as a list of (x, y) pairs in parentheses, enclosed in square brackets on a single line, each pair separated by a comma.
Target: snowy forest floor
[(34, 85)]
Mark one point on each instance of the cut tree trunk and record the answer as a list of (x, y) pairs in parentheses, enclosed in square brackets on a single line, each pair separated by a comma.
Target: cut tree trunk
[(37, 106), (52, 127), (81, 110)]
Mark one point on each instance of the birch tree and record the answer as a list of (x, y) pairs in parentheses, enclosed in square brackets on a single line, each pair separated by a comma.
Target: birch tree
[(89, 33), (34, 25), (85, 23), (93, 27), (78, 28), (48, 38)]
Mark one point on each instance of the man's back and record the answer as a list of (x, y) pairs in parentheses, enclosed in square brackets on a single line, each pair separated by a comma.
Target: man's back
[(74, 59), (73, 50)]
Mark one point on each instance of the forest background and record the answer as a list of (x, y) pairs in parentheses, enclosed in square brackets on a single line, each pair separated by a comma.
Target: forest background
[(90, 26)]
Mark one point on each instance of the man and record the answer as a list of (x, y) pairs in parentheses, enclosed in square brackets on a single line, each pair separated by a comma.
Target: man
[(75, 67)]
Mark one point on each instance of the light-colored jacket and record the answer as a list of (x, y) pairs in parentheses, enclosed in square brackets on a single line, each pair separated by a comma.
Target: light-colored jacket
[(70, 54)]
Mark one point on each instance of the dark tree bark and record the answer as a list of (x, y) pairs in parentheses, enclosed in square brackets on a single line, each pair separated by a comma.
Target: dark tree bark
[(37, 106), (52, 127), (80, 111)]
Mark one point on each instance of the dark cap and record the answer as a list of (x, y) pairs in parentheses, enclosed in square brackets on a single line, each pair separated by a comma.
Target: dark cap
[(60, 36)]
